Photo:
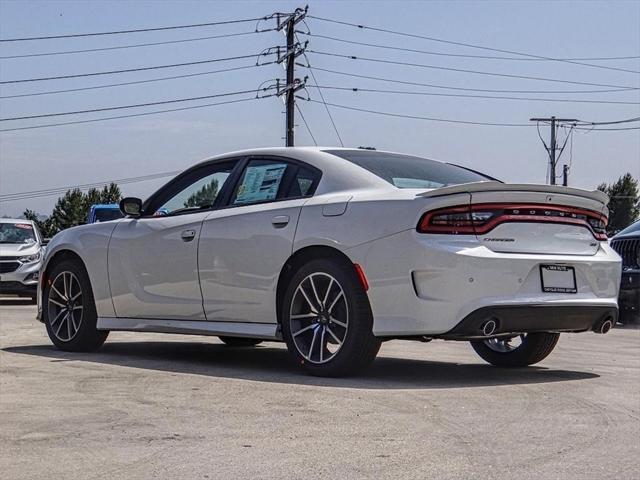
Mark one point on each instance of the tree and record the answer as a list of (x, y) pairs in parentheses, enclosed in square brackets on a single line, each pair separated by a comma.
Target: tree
[(205, 196), (73, 208), (44, 225), (624, 203)]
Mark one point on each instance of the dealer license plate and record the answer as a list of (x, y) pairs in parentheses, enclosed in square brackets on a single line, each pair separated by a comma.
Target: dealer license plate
[(558, 279)]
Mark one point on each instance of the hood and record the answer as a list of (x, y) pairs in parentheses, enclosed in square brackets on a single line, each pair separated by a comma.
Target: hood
[(18, 249)]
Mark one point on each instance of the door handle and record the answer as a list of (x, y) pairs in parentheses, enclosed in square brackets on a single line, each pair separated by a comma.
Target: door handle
[(188, 235), (280, 221)]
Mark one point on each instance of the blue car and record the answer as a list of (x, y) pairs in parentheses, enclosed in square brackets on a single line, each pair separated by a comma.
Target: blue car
[(104, 212)]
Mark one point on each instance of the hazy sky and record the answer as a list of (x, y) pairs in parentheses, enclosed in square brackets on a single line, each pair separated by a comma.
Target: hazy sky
[(76, 154)]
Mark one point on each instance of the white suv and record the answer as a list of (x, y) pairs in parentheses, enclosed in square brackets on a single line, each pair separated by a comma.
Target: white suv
[(21, 252)]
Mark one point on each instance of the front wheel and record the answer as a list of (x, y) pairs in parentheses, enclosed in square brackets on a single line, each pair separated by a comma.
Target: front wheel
[(69, 309), (327, 321), (517, 351)]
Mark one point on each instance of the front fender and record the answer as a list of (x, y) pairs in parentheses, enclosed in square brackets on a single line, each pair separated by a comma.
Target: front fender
[(89, 243)]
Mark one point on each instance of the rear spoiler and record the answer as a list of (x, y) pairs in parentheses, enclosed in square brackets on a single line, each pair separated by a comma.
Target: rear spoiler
[(596, 195)]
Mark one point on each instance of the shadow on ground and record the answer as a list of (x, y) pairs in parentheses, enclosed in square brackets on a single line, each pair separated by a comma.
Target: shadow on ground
[(13, 301), (273, 365)]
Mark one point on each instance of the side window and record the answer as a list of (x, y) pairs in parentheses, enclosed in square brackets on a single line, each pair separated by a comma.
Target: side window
[(260, 182), (303, 183), (198, 191)]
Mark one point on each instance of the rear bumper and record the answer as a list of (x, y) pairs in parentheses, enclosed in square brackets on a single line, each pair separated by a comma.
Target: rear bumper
[(429, 284), (532, 318)]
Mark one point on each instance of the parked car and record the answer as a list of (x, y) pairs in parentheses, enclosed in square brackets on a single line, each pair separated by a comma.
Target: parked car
[(334, 251), (21, 252), (103, 212), (627, 244)]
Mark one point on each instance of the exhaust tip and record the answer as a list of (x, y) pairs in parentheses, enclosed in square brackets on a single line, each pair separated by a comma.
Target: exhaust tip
[(604, 326), (489, 327)]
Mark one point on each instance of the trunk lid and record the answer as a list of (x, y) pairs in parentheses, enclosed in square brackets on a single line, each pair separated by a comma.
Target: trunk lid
[(523, 218)]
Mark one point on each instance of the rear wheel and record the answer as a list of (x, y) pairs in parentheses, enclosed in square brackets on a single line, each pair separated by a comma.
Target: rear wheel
[(240, 341), (517, 351), (69, 309), (326, 319)]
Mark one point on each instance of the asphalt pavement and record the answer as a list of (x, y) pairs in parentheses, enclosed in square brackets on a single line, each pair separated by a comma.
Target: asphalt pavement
[(150, 406)]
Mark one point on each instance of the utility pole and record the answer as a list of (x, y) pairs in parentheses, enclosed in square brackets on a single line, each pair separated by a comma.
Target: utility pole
[(552, 148), (293, 51)]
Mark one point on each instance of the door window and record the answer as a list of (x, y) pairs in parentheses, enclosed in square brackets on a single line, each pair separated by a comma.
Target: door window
[(260, 182), (269, 180), (196, 191)]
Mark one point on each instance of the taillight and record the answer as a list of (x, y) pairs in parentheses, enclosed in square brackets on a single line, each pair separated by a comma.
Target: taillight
[(481, 218), (453, 221)]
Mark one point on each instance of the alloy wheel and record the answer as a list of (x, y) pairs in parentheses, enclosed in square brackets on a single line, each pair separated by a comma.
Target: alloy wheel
[(65, 306), (319, 317)]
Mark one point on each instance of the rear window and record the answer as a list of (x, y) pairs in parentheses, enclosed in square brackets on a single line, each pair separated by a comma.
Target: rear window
[(406, 171)]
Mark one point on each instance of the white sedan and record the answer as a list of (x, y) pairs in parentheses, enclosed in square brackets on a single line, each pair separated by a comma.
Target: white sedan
[(334, 251)]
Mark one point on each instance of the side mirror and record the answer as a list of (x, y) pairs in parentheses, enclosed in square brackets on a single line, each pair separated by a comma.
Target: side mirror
[(131, 206)]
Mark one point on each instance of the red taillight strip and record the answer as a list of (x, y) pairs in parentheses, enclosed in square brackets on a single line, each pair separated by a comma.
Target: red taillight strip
[(424, 225)]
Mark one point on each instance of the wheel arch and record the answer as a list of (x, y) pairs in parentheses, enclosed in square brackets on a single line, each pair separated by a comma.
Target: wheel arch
[(299, 258), (59, 256)]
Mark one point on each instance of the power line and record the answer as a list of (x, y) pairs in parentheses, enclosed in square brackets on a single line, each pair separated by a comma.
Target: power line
[(462, 70), (326, 107), (405, 92), (139, 69), (138, 45), (138, 105), (137, 30), (607, 129), (447, 120), (306, 124), (58, 190), (46, 125), (457, 55), (462, 44), (173, 77), (614, 122), (417, 117), (448, 87)]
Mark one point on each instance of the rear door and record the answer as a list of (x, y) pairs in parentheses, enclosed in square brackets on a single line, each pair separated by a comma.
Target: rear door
[(244, 245)]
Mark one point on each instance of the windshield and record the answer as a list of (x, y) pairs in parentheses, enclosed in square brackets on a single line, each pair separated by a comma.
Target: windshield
[(17, 233), (406, 171)]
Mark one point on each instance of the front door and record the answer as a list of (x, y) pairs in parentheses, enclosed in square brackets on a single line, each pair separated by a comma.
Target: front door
[(153, 260)]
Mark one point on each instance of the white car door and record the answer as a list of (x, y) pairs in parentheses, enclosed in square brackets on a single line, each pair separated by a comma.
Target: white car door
[(153, 260), (244, 245)]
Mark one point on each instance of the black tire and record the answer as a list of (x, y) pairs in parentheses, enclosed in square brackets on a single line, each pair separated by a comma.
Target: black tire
[(359, 346), (86, 338), (240, 341), (534, 348)]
